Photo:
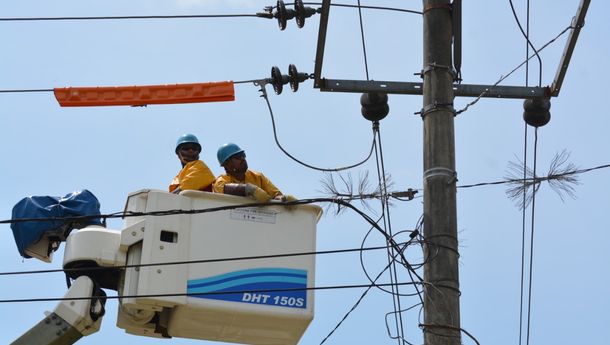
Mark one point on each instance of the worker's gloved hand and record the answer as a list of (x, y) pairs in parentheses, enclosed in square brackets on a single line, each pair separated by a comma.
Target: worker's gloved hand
[(257, 193), (285, 198), (290, 198), (280, 198)]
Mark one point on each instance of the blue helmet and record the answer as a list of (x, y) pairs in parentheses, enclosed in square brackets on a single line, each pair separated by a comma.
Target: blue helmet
[(226, 151), (187, 139)]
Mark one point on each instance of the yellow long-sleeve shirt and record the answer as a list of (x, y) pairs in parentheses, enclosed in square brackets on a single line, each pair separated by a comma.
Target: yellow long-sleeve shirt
[(254, 177), (194, 175)]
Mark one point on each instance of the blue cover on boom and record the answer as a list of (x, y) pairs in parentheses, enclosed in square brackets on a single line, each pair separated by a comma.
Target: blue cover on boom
[(75, 204)]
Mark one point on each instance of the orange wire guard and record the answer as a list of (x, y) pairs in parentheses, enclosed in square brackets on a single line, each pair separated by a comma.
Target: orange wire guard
[(143, 95)]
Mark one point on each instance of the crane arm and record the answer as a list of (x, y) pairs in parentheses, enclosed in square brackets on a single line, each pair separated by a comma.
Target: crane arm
[(72, 319)]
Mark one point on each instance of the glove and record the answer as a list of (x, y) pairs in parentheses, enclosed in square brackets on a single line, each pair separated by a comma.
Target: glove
[(257, 193), (285, 198)]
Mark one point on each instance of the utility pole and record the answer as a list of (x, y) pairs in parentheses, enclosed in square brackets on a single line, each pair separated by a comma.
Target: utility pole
[(442, 22), (441, 298)]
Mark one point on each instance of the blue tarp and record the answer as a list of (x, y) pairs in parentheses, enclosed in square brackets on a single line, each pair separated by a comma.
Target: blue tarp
[(79, 203)]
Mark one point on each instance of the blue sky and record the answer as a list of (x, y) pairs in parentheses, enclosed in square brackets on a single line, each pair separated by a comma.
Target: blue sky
[(112, 151)]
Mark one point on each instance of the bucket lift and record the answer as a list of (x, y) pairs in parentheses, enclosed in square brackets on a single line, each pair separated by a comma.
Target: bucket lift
[(266, 299)]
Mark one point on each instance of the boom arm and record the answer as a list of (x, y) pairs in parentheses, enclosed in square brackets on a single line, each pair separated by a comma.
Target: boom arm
[(72, 318)]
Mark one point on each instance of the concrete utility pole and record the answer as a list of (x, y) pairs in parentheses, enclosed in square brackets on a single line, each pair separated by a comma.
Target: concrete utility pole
[(441, 290), (441, 304)]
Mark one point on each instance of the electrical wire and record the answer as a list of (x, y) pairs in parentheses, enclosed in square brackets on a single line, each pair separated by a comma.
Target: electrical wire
[(526, 35), (366, 65), (523, 213), (188, 16), (401, 311), (126, 214), (204, 261), (511, 72), (195, 294), (451, 328), (531, 259), (385, 215), (372, 280), (52, 90), (184, 16), (375, 8), (370, 286), (537, 178), (277, 142), (523, 230), (26, 90)]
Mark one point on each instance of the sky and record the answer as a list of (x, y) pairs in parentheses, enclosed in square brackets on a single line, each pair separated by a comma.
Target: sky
[(112, 151)]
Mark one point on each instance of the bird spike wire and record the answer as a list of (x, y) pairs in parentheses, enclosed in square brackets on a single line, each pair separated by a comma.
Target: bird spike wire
[(345, 188), (561, 176)]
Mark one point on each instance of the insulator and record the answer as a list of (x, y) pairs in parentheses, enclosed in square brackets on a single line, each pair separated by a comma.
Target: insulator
[(295, 77), (302, 12), (283, 14), (374, 105), (536, 111), (278, 80)]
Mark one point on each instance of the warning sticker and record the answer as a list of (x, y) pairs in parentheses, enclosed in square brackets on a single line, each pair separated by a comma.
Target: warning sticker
[(254, 215)]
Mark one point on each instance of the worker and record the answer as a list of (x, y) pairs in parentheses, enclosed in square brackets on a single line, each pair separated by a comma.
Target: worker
[(195, 174), (239, 180)]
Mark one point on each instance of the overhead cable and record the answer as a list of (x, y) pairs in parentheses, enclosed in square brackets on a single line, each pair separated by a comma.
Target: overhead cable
[(527, 38), (511, 72), (239, 258), (339, 202), (372, 284), (51, 90), (181, 16), (277, 142), (186, 16), (531, 258), (536, 179), (195, 294)]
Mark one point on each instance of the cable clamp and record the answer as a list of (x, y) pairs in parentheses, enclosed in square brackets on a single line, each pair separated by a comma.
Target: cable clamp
[(434, 66), (440, 171), (436, 106)]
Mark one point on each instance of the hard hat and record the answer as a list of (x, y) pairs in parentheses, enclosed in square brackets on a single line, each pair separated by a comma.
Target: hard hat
[(226, 151), (186, 139)]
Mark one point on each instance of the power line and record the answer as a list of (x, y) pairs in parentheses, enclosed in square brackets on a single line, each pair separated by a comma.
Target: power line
[(189, 16), (514, 70), (338, 201), (195, 294), (372, 284), (277, 142), (52, 90), (25, 90), (537, 179), (526, 36), (375, 8), (239, 258), (125, 214), (366, 65), (531, 258), (184, 16)]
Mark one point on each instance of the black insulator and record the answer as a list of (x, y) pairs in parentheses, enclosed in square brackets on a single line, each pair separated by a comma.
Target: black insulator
[(374, 105), (302, 12), (283, 14), (536, 111), (278, 79), (295, 77)]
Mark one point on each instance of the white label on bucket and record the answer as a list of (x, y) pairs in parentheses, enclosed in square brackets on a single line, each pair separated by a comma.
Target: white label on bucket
[(254, 215)]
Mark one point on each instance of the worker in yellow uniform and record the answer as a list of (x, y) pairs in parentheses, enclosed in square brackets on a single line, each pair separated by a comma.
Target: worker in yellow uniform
[(239, 180), (195, 174)]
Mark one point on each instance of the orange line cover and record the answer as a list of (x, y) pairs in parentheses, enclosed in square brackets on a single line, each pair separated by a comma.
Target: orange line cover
[(144, 95)]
